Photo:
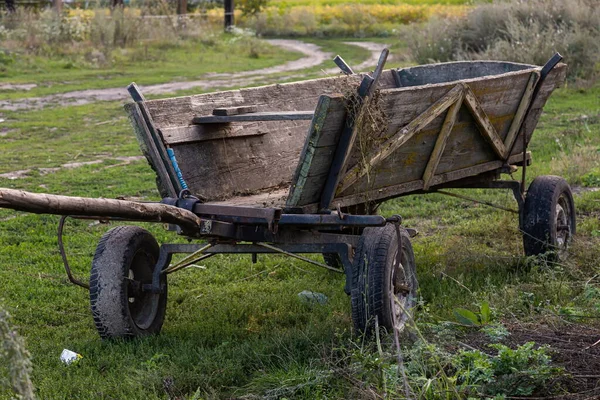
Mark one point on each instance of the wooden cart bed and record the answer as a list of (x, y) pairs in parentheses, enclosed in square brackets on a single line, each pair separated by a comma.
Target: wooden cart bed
[(445, 122)]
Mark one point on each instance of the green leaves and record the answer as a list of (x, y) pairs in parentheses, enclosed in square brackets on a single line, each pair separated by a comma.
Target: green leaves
[(466, 317), (469, 318)]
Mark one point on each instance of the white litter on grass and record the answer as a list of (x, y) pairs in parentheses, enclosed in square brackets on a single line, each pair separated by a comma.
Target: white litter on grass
[(69, 357)]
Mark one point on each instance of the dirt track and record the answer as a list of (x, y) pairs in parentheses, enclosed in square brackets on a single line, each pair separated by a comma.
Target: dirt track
[(313, 56)]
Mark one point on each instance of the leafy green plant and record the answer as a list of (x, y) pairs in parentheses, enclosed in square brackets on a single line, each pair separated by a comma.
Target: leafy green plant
[(511, 372), (469, 318), (15, 366)]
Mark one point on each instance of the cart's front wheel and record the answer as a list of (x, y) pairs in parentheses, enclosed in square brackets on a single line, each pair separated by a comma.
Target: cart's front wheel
[(384, 279), (549, 218), (124, 261)]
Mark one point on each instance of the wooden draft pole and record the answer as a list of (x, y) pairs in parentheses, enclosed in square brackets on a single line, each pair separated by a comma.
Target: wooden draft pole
[(228, 14), (41, 203)]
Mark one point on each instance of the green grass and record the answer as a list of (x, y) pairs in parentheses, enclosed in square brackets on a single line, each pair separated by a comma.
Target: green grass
[(237, 328), (148, 63)]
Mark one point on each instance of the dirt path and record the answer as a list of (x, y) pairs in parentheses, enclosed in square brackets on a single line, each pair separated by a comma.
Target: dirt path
[(313, 56)]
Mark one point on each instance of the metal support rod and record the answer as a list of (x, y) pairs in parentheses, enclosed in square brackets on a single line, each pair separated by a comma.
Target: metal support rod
[(63, 254), (192, 258), (228, 16), (179, 266), (459, 196), (308, 260)]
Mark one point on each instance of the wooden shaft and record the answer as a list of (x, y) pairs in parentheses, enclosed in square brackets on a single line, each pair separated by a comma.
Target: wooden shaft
[(41, 203)]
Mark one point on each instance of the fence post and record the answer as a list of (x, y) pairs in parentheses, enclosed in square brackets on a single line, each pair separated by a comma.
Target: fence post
[(182, 7), (228, 14), (57, 4)]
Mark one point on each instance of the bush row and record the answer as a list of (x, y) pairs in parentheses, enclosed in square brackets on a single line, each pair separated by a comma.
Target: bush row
[(523, 31)]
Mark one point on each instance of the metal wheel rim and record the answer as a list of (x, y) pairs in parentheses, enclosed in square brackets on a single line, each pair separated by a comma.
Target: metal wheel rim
[(563, 224), (400, 290), (143, 306)]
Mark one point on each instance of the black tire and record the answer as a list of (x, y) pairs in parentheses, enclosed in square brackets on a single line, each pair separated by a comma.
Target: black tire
[(377, 277), (548, 218), (124, 255)]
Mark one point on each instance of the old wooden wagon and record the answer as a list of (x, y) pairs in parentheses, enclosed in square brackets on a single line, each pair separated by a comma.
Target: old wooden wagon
[(301, 168)]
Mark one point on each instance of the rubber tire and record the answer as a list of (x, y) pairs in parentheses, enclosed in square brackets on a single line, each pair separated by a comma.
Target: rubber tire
[(372, 277), (120, 250), (540, 236)]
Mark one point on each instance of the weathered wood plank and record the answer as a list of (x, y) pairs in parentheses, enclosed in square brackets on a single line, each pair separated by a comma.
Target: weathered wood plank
[(455, 71), (223, 111), (317, 129), (520, 114), (465, 147), (198, 133), (256, 116), (415, 186), (273, 198), (402, 136), (350, 132), (266, 154), (483, 122), (148, 145), (440, 144)]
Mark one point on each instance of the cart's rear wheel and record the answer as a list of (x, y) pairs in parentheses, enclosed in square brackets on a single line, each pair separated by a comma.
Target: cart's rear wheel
[(123, 262), (549, 218), (384, 279)]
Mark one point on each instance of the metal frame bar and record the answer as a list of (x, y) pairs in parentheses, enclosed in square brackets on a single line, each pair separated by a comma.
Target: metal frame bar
[(200, 252)]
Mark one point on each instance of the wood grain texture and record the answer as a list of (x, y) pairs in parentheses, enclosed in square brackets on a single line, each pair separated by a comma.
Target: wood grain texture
[(500, 97), (148, 146), (315, 159), (440, 144), (401, 136), (249, 156), (197, 133), (234, 110), (41, 203), (255, 116), (416, 185), (520, 114), (483, 122)]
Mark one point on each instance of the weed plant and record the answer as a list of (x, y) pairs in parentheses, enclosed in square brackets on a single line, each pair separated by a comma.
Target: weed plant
[(515, 30), (15, 365)]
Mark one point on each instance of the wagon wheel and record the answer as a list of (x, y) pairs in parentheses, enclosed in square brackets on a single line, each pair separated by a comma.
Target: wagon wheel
[(384, 279), (548, 218), (123, 262)]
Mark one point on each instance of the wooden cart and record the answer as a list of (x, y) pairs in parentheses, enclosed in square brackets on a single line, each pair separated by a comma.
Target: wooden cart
[(301, 167)]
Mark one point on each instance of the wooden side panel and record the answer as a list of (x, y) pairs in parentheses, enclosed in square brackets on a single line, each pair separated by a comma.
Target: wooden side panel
[(555, 79), (163, 181), (317, 154), (219, 162), (465, 147), (454, 71)]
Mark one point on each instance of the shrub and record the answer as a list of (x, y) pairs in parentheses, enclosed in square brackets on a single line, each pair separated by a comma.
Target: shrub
[(517, 30), (341, 19), (15, 365)]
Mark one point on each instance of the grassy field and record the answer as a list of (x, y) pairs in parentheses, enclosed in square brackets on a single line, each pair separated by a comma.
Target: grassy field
[(239, 330)]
